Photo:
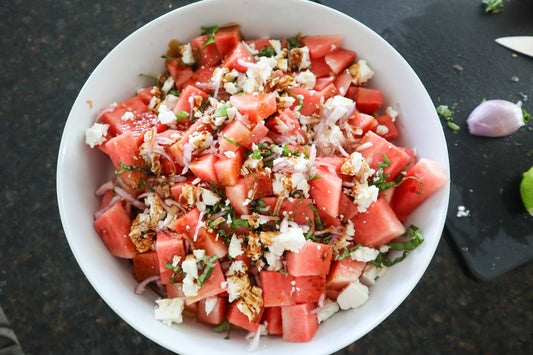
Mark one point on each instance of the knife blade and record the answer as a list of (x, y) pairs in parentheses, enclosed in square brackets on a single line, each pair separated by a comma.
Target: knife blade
[(520, 44)]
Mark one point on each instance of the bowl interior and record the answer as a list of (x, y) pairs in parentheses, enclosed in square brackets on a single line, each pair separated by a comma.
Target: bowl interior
[(81, 170)]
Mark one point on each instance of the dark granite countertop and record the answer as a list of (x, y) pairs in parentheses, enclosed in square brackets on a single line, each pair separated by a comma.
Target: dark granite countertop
[(49, 49)]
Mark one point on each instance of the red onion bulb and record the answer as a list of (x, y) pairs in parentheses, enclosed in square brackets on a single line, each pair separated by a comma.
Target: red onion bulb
[(495, 118)]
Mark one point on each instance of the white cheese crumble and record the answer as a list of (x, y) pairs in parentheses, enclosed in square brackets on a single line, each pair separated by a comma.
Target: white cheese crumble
[(353, 296), (187, 56), (371, 273), (364, 254), (96, 134), (293, 239), (167, 85), (230, 154), (190, 288), (127, 116), (360, 72), (327, 310), (169, 310), (209, 197), (382, 130), (165, 115), (210, 303), (462, 212), (391, 112), (366, 196), (190, 267), (306, 79), (235, 247)]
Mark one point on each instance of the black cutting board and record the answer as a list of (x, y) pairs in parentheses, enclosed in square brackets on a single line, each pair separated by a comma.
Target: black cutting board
[(451, 47)]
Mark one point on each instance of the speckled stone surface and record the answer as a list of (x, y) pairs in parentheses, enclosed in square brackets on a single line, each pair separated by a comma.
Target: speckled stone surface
[(49, 49)]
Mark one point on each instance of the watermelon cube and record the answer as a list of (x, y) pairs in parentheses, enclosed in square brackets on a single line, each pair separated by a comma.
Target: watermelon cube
[(375, 146), (312, 259), (340, 59), (209, 54), (167, 246), (180, 73), (204, 167), (212, 314), (378, 225), (212, 287), (278, 288), (145, 265), (367, 100), (236, 317), (341, 274), (113, 226), (320, 45), (228, 168), (309, 288), (272, 317), (412, 192), (255, 107), (227, 38), (326, 192), (299, 322), (232, 59)]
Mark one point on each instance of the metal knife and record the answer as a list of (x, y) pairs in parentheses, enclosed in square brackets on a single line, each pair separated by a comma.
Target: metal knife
[(520, 44)]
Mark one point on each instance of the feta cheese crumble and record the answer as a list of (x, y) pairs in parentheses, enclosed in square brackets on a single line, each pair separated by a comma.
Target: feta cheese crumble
[(169, 310), (96, 134), (353, 296)]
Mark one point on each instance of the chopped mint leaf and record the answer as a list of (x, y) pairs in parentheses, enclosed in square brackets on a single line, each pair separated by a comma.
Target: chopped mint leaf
[(210, 31)]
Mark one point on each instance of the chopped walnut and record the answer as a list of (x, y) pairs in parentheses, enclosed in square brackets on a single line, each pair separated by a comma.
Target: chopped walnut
[(299, 58), (254, 249)]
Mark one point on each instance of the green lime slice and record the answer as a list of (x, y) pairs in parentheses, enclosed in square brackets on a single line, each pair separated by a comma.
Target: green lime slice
[(526, 190)]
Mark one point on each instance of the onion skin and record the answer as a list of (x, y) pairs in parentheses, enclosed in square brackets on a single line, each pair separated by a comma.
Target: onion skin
[(495, 118)]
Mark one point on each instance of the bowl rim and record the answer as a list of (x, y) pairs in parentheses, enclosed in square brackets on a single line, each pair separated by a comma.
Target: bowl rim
[(63, 158)]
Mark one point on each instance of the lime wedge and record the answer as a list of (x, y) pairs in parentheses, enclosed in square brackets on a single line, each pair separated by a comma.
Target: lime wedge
[(526, 190)]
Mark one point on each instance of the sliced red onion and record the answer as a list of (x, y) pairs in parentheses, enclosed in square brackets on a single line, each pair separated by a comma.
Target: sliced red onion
[(248, 65), (284, 225), (162, 140), (128, 197), (254, 343), (187, 156), (177, 178), (198, 225), (105, 110), (101, 211), (104, 188), (495, 118), (139, 289)]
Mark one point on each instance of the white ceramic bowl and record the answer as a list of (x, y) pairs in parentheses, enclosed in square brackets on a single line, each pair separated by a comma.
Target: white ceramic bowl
[(80, 170)]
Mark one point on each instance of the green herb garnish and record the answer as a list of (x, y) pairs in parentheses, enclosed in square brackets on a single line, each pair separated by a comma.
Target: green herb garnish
[(527, 116), (182, 115), (177, 272), (129, 168), (222, 111), (493, 6), (293, 42), (225, 326), (267, 51), (150, 76), (346, 252), (299, 98), (381, 180), (415, 239), (447, 113), (232, 141), (208, 269), (210, 31)]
